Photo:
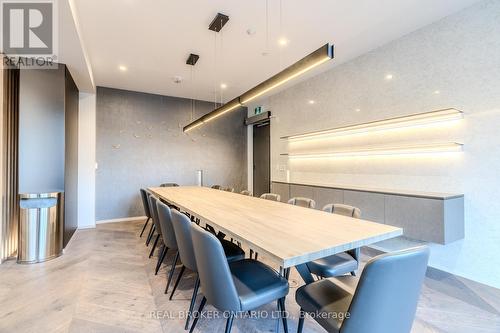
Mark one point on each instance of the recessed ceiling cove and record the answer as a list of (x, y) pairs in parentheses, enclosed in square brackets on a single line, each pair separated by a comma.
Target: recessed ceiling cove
[(153, 39)]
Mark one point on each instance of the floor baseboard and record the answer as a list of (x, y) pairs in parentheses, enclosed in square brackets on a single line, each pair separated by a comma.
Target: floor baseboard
[(123, 219)]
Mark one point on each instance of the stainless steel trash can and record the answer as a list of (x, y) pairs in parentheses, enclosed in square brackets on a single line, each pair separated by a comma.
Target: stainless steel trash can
[(41, 227)]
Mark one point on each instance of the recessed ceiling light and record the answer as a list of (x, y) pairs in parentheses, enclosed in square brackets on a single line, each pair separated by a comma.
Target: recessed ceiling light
[(122, 68), (311, 101), (223, 86), (250, 31), (283, 41), (357, 110), (436, 92), (388, 77)]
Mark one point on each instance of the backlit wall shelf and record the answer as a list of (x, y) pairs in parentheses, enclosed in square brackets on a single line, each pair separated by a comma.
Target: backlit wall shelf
[(431, 148), (415, 120)]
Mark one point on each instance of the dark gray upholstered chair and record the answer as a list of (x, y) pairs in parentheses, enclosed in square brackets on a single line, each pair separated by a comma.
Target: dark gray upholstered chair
[(342, 209), (234, 287), (385, 299), (342, 263), (229, 189), (145, 204), (167, 232), (183, 227), (302, 202), (271, 196), (154, 214), (169, 185), (152, 229), (246, 192), (217, 187)]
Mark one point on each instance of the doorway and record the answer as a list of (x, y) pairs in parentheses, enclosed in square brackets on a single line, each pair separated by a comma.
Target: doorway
[(261, 158)]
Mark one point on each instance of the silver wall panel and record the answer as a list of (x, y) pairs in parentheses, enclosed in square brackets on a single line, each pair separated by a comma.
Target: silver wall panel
[(282, 189), (301, 191), (371, 204), (324, 196), (420, 218)]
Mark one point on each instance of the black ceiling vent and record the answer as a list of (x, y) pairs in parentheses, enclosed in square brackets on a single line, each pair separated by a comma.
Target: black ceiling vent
[(193, 58), (218, 22)]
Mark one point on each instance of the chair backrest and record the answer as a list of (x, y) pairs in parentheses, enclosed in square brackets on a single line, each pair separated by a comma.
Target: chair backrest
[(145, 202), (217, 187), (302, 202), (167, 229), (229, 189), (271, 196), (246, 192), (153, 202), (386, 297), (182, 228), (215, 276), (169, 185), (341, 209)]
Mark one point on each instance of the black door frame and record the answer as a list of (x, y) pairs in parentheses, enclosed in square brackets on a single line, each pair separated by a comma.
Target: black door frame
[(267, 122)]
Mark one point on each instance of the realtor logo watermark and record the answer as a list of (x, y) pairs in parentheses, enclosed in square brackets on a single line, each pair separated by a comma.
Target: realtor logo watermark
[(29, 33)]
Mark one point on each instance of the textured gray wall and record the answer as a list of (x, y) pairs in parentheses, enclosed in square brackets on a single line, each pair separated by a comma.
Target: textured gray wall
[(140, 143)]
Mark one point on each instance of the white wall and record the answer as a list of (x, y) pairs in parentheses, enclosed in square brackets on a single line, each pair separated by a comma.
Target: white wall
[(457, 56), (86, 161)]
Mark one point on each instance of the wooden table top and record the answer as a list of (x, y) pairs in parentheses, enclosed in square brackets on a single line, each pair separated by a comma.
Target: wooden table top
[(288, 234)]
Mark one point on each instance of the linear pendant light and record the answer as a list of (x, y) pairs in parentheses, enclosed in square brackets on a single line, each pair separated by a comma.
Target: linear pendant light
[(446, 147), (420, 119), (307, 63)]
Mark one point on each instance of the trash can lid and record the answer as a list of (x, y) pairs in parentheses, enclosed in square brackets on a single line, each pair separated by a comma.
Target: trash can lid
[(34, 195)]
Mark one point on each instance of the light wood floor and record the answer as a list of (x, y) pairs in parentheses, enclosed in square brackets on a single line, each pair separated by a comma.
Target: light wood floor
[(105, 283)]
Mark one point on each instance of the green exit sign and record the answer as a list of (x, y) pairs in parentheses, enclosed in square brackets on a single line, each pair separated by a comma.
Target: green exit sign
[(258, 110)]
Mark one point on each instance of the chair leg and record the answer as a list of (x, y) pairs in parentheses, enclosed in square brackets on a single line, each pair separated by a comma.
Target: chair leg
[(193, 300), (161, 257), (183, 268), (145, 225), (229, 323), (198, 313), (251, 254), (171, 274), (154, 245), (150, 234), (281, 303), (256, 255), (301, 321)]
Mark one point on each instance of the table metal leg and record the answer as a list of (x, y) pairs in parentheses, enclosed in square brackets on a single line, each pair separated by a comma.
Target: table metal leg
[(305, 273)]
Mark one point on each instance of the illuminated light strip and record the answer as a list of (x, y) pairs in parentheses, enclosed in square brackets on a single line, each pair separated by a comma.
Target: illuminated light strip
[(248, 99), (420, 119), (307, 63), (192, 126), (448, 147), (217, 115), (229, 106)]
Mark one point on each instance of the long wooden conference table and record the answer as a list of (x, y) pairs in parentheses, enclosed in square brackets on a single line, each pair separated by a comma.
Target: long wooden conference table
[(289, 235)]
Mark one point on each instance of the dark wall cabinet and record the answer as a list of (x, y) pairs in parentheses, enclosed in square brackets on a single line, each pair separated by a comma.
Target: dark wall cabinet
[(48, 137)]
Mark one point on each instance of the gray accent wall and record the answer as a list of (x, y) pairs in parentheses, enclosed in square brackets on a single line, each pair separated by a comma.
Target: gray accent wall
[(41, 130), (140, 143)]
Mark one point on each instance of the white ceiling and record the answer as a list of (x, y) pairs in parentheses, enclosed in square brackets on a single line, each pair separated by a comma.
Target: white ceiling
[(153, 38)]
